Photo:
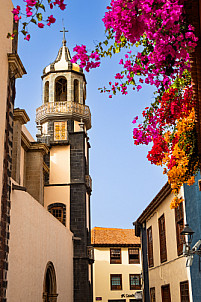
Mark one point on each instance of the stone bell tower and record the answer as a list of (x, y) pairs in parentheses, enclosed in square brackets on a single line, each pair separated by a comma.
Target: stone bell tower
[(63, 121)]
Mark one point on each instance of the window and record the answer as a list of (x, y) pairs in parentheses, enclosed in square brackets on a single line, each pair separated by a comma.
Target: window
[(115, 256), (116, 282), (162, 238), (152, 294), (179, 221), (58, 210), (134, 256), (60, 89), (150, 247), (184, 291), (135, 282), (166, 293), (46, 99), (60, 131), (76, 91)]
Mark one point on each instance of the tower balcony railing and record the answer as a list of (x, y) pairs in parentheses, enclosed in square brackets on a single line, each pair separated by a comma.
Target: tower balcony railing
[(66, 109)]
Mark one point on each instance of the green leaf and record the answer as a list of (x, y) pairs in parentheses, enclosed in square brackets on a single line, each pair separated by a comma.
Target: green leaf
[(33, 20), (42, 6), (39, 16), (24, 32)]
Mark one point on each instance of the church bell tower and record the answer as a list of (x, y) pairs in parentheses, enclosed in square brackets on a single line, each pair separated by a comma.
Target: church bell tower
[(63, 121)]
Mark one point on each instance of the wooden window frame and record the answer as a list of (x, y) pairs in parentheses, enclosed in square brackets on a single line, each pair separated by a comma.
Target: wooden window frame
[(58, 205), (183, 297), (150, 247), (133, 286), (179, 223), (152, 294), (134, 260), (162, 238), (116, 287), (162, 292), (113, 260)]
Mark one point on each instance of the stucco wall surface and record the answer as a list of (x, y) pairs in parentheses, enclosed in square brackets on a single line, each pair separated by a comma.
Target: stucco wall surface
[(58, 195), (36, 238), (102, 270), (173, 271), (6, 23), (60, 165)]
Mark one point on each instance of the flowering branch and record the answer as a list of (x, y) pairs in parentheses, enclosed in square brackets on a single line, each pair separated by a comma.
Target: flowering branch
[(34, 14)]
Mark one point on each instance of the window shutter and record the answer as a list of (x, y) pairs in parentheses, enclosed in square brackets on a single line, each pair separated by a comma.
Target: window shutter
[(162, 237), (150, 247)]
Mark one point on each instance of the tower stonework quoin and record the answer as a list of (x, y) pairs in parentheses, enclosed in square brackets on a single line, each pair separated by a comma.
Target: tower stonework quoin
[(63, 121)]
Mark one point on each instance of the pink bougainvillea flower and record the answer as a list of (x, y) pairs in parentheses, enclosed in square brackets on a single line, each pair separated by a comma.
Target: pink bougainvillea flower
[(28, 11), (31, 2), (16, 10), (27, 37), (139, 87), (60, 3), (40, 25), (51, 20), (17, 18)]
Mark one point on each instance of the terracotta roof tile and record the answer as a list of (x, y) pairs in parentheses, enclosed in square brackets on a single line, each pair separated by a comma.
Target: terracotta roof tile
[(113, 236)]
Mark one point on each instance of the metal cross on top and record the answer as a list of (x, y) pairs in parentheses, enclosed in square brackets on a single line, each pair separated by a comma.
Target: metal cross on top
[(64, 38)]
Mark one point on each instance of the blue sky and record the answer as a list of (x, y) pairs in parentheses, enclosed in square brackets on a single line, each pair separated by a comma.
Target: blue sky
[(124, 182)]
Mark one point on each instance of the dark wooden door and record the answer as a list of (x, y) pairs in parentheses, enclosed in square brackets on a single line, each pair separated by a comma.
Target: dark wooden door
[(166, 293)]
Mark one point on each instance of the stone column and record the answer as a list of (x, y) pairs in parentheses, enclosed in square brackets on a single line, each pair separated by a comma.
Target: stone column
[(20, 118), (34, 170)]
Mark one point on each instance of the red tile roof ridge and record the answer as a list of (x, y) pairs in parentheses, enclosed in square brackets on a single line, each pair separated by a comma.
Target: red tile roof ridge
[(116, 236)]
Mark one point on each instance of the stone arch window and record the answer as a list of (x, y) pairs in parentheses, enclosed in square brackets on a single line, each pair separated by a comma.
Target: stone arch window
[(46, 98), (84, 94), (76, 91), (50, 284), (60, 89), (58, 210)]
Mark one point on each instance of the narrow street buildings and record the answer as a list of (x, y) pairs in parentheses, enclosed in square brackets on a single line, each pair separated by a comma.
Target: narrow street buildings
[(117, 267), (165, 275)]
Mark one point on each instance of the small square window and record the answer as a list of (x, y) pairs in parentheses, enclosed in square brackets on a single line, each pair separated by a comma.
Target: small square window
[(135, 282), (116, 282), (134, 256), (115, 256)]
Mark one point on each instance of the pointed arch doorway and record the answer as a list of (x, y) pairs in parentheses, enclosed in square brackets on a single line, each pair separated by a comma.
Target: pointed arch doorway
[(50, 285)]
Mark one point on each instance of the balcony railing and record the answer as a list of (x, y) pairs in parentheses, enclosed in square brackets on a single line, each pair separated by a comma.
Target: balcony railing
[(68, 109)]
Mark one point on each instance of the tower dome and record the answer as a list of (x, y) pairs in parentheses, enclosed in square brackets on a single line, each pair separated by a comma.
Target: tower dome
[(64, 95), (62, 61)]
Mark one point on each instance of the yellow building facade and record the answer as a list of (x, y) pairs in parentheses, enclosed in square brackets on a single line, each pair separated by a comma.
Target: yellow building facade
[(117, 266), (166, 277)]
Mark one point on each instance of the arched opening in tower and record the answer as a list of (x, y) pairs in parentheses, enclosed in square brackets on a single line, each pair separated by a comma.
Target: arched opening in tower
[(60, 89), (84, 94), (76, 91), (46, 98)]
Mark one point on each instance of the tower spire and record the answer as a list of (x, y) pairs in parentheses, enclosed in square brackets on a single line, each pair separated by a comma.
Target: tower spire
[(64, 31)]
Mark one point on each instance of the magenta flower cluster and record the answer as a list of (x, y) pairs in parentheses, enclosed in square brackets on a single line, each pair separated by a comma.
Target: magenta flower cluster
[(86, 61), (168, 40), (159, 26), (30, 13)]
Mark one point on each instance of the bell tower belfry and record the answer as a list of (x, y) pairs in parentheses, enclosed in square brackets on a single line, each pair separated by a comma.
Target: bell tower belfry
[(63, 121)]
